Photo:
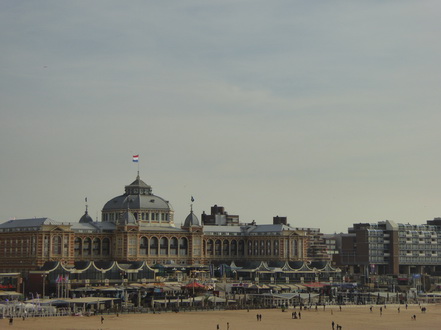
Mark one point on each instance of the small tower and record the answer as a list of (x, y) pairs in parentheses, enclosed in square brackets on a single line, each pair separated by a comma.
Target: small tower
[(86, 218), (191, 220)]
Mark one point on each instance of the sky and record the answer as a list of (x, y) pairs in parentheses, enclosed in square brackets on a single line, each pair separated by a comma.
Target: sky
[(326, 112)]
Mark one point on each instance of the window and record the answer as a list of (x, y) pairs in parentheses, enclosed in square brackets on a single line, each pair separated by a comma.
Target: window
[(143, 246), (56, 245)]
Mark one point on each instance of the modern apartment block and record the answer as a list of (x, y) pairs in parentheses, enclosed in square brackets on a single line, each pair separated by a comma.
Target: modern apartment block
[(390, 248)]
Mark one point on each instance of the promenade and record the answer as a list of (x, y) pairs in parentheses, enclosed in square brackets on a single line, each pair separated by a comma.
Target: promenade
[(349, 317)]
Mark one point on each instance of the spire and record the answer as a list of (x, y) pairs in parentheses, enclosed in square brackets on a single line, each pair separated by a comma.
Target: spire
[(86, 217), (192, 219), (191, 205)]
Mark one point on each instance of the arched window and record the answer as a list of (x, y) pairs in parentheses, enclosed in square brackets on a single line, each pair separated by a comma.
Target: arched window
[(78, 246), (241, 250), (87, 247), (226, 248), (174, 246), (268, 247), (106, 247), (217, 248), (154, 246), (295, 251), (276, 248), (234, 248), (96, 246), (163, 244), (56, 245), (183, 246), (143, 246), (210, 247)]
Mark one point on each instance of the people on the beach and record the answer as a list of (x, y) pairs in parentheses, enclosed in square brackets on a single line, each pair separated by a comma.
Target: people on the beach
[(102, 319)]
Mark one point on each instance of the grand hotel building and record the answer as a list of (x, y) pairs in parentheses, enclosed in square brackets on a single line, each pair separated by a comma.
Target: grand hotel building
[(139, 227)]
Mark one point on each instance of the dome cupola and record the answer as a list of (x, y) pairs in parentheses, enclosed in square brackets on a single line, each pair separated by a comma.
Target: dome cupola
[(86, 218), (146, 208), (191, 219)]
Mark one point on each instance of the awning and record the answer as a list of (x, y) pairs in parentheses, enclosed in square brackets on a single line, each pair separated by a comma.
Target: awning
[(314, 285)]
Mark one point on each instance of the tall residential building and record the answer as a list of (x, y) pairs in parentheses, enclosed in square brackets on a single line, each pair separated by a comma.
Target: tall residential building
[(390, 248)]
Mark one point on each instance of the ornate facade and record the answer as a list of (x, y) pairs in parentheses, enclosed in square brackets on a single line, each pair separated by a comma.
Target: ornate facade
[(138, 226)]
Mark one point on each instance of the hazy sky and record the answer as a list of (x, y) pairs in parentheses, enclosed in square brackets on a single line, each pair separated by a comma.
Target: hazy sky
[(327, 112)]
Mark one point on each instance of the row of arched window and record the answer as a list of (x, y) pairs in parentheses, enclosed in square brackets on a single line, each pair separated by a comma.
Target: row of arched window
[(224, 248), (174, 246), (218, 247), (88, 247), (163, 246), (147, 246)]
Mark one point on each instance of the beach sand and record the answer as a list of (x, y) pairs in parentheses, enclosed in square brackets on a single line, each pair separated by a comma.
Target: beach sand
[(350, 317)]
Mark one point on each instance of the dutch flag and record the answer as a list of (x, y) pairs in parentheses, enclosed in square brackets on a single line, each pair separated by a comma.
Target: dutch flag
[(135, 158)]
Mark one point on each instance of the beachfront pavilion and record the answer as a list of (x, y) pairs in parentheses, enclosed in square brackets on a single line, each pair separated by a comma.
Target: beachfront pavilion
[(285, 272), (55, 277)]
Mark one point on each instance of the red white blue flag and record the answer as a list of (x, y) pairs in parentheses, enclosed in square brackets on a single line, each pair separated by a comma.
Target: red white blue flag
[(135, 158)]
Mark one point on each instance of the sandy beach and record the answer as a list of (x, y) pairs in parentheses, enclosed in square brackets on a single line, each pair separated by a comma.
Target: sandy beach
[(350, 317)]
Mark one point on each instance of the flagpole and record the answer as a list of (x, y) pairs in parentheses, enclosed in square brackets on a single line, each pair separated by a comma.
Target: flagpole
[(135, 159)]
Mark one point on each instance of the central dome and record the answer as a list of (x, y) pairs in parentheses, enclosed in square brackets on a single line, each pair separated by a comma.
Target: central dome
[(139, 200)]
